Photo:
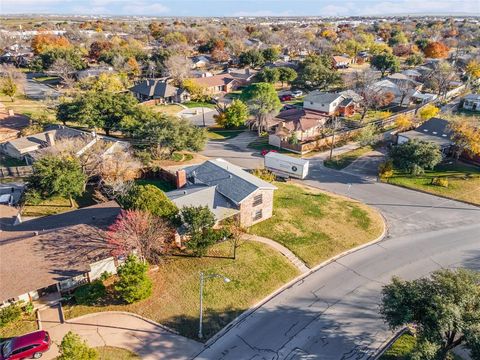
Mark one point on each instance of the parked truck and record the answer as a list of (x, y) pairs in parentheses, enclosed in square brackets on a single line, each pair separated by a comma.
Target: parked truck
[(286, 166)]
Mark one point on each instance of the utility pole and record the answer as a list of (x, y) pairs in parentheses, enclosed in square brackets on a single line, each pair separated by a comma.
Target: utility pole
[(333, 136), (200, 325), (203, 116)]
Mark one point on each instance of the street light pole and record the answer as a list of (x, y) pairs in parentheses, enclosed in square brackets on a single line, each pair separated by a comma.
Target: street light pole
[(202, 280)]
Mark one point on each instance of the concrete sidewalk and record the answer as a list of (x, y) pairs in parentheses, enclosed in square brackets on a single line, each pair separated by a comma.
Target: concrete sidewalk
[(149, 340), (280, 248)]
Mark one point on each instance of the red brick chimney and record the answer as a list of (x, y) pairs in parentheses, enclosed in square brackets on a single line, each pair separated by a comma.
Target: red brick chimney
[(181, 178)]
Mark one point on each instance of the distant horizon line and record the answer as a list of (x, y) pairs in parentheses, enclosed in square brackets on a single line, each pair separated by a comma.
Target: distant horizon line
[(459, 14)]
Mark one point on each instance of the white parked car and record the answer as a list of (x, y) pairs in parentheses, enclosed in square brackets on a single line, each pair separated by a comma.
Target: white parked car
[(297, 93)]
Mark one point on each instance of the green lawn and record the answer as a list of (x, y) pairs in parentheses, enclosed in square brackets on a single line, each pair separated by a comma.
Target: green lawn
[(57, 205), (27, 107), (26, 324), (402, 348), (261, 143), (316, 225), (463, 182), (257, 271), (341, 161), (222, 134), (193, 104), (115, 353), (161, 184), (371, 115)]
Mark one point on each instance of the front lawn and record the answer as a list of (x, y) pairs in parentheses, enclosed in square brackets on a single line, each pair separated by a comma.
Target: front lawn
[(341, 161), (115, 353), (222, 134), (257, 271), (28, 107), (171, 109), (463, 181), (194, 104), (317, 225), (26, 324)]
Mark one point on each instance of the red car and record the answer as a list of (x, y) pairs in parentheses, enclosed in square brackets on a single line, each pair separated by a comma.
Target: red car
[(266, 151), (285, 97), (31, 345)]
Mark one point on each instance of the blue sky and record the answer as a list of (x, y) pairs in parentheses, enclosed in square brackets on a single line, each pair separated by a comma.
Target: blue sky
[(240, 7)]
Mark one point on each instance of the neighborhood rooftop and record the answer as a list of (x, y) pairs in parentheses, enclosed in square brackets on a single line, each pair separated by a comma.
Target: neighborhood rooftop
[(231, 181), (45, 251)]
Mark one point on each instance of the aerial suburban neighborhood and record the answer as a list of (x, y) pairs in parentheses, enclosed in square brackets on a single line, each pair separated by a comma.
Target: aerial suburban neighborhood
[(240, 180)]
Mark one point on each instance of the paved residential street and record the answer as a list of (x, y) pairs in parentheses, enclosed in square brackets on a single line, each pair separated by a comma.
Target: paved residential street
[(236, 151), (333, 313)]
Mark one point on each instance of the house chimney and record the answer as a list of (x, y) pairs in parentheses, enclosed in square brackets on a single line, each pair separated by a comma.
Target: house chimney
[(50, 137), (181, 179), (247, 71)]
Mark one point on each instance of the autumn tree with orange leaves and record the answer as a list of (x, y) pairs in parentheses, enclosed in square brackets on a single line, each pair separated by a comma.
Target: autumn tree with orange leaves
[(44, 42), (436, 50), (465, 136)]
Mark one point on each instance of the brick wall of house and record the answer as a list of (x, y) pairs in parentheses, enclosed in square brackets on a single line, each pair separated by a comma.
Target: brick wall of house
[(248, 209)]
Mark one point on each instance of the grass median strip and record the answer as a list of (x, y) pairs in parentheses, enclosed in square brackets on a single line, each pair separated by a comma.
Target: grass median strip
[(316, 225), (255, 273)]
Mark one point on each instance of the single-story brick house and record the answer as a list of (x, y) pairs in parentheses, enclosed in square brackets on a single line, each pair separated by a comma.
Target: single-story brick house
[(343, 103), (303, 123), (217, 84), (228, 190), (55, 254)]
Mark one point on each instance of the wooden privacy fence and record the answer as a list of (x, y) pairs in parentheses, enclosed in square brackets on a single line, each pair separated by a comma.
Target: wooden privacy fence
[(16, 171)]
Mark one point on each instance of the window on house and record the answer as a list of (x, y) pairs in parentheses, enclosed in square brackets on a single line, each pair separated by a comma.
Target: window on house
[(257, 200), (257, 215)]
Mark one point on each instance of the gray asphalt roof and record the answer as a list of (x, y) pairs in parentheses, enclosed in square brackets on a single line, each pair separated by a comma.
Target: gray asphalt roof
[(231, 181), (434, 130), (203, 195), (154, 88), (322, 97)]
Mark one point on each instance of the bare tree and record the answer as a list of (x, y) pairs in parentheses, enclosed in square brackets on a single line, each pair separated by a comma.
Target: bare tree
[(178, 67), (65, 70)]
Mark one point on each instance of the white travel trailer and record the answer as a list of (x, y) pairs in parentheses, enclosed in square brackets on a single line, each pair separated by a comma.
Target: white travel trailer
[(285, 165)]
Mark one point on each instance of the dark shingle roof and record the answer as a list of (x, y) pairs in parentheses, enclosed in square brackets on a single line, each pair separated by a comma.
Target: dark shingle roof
[(231, 181), (154, 88)]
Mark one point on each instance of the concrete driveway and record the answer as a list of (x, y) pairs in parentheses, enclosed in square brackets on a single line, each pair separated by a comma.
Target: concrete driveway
[(333, 312), (236, 151), (145, 338), (199, 116), (38, 91)]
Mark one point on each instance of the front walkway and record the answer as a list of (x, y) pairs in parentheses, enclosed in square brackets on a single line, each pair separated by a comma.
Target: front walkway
[(144, 337), (280, 248)]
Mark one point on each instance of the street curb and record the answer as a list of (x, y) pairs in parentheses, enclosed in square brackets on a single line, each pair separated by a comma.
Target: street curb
[(428, 193), (291, 283), (150, 321), (387, 344)]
